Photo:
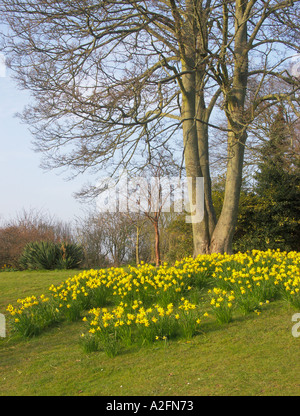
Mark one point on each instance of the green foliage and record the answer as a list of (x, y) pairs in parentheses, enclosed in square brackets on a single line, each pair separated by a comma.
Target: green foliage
[(277, 186), (39, 255), (70, 257), (269, 215), (180, 239), (48, 255), (266, 223)]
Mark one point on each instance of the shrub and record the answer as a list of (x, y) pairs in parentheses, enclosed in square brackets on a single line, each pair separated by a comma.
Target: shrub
[(48, 255), (70, 256)]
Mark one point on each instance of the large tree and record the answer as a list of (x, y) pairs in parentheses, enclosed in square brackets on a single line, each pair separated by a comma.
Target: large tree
[(114, 80)]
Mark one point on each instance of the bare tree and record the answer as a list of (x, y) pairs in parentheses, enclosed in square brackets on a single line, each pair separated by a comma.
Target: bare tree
[(30, 226), (90, 235), (115, 80), (138, 222), (152, 196)]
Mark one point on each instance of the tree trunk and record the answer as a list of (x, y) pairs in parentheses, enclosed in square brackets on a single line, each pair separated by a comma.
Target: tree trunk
[(235, 112), (203, 152), (223, 234), (137, 256), (208, 236), (195, 130), (192, 162), (157, 248)]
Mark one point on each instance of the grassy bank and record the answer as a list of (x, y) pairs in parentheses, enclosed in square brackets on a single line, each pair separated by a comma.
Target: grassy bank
[(252, 355)]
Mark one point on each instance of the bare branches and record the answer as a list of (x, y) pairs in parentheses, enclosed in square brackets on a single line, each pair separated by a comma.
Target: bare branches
[(107, 77)]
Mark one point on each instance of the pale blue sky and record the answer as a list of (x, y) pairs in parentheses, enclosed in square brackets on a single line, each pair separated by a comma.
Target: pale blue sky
[(23, 184)]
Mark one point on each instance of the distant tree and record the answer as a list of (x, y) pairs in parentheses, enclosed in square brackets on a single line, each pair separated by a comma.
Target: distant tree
[(138, 221), (28, 227), (90, 234), (107, 238), (278, 186), (180, 239), (269, 215)]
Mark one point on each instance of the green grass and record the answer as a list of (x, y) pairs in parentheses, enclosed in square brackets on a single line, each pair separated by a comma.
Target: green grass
[(253, 355), (15, 285)]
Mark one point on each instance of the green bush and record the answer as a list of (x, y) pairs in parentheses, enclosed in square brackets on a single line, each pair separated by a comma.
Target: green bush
[(48, 255), (70, 256)]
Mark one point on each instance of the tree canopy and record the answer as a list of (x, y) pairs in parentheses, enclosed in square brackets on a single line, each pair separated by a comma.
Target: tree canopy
[(115, 81)]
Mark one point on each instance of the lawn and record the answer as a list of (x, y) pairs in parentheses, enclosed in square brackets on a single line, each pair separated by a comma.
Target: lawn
[(252, 355)]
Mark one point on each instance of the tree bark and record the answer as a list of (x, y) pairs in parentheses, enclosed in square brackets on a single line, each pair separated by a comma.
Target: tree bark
[(157, 248), (192, 161), (137, 256), (195, 128), (224, 231), (236, 116)]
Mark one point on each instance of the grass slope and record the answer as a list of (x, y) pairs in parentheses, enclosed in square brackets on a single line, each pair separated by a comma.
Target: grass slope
[(254, 355)]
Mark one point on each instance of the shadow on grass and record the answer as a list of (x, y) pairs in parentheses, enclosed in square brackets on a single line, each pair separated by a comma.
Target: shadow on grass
[(66, 333), (238, 318)]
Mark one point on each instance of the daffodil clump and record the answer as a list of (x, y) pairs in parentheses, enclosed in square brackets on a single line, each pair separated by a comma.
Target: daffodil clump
[(259, 276), (290, 286), (144, 304), (81, 292), (33, 314), (221, 303), (109, 329)]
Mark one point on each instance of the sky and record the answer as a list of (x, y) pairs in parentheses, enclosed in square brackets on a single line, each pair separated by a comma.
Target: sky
[(24, 185)]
